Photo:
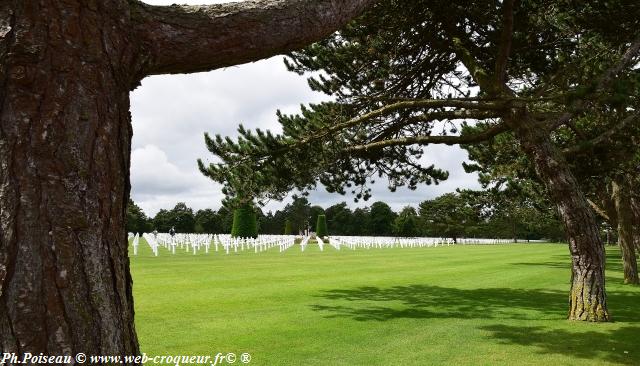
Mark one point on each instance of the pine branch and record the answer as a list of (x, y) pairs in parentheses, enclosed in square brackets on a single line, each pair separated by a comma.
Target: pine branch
[(425, 140), (429, 117), (603, 83), (412, 104), (602, 138)]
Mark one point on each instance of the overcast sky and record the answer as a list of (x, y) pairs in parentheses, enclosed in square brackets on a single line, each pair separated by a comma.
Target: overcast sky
[(170, 114)]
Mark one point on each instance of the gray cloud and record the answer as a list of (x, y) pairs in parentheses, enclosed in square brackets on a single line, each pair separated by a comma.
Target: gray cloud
[(170, 114)]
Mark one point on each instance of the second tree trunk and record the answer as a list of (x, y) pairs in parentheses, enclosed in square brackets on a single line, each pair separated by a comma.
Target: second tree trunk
[(587, 299)]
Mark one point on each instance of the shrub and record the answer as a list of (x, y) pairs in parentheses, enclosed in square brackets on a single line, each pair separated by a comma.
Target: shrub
[(288, 228), (321, 226), (245, 224)]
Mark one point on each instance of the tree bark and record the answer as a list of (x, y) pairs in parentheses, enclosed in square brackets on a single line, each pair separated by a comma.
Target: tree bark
[(181, 38), (587, 300), (622, 198), (64, 155), (66, 70)]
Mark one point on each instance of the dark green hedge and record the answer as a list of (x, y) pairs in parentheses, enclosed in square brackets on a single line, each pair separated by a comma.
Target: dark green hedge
[(244, 222), (288, 228), (321, 226)]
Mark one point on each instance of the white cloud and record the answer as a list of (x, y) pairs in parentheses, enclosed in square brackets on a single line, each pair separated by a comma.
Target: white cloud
[(157, 183), (172, 113), (154, 174)]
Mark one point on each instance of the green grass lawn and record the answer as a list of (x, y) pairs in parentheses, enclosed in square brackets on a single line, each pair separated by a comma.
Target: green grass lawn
[(462, 305)]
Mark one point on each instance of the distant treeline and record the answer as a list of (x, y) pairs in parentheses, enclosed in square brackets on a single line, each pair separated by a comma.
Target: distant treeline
[(453, 215)]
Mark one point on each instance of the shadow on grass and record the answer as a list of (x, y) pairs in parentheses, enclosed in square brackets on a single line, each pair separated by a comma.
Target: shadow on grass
[(434, 302), (425, 301), (609, 345), (560, 265), (613, 263)]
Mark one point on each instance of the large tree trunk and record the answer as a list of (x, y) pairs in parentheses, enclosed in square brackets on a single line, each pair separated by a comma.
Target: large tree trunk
[(64, 161), (622, 199), (66, 70), (587, 300)]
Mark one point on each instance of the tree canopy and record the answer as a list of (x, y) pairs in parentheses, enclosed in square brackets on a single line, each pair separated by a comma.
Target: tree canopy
[(394, 97)]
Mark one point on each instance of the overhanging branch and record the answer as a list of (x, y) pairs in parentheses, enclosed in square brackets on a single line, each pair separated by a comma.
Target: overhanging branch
[(417, 104), (425, 140), (185, 39), (435, 116), (476, 110)]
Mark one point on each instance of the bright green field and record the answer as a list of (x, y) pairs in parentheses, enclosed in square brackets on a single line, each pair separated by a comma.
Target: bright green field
[(462, 305)]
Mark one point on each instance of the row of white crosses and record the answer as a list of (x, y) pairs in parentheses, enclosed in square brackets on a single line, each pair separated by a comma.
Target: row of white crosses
[(135, 242), (334, 242), (195, 243), (153, 243), (320, 243), (368, 242), (189, 243), (474, 241), (257, 245), (304, 242), (286, 242)]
